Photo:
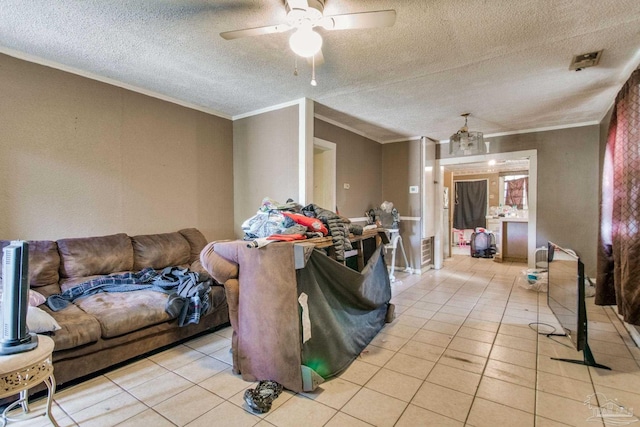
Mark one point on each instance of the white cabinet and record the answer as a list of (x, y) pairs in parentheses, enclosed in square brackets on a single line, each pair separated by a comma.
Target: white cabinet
[(494, 225)]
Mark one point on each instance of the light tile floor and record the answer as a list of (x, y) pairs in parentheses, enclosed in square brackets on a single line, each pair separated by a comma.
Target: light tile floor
[(460, 352)]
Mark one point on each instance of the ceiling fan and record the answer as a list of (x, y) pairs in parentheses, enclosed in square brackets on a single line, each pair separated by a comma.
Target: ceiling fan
[(304, 16)]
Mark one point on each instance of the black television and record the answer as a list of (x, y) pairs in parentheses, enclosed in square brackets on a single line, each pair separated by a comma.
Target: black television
[(566, 299)]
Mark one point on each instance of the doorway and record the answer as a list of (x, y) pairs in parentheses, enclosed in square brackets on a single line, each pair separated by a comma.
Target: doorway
[(470, 209), (469, 165), (324, 174)]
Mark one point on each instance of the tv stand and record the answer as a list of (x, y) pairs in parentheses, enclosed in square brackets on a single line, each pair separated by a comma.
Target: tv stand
[(588, 359)]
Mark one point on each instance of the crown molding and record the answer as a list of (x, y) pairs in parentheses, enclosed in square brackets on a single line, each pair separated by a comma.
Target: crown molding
[(268, 109), (345, 127), (52, 64), (409, 138), (109, 81), (541, 129)]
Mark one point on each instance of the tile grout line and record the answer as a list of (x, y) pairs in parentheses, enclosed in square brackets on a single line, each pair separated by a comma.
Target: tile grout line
[(467, 317), (487, 361), (435, 363), (454, 291), (458, 330)]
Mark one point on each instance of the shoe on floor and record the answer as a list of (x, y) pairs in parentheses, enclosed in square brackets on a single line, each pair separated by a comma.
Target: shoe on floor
[(260, 399)]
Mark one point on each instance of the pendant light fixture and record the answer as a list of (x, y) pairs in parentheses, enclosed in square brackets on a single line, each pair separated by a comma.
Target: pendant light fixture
[(465, 142)]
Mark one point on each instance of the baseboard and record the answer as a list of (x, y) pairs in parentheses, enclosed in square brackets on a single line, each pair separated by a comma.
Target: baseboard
[(634, 331), (401, 269)]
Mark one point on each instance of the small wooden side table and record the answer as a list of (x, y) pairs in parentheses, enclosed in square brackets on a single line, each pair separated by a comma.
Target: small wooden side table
[(21, 371)]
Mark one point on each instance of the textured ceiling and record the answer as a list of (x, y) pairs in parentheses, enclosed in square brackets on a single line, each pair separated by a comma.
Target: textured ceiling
[(504, 61)]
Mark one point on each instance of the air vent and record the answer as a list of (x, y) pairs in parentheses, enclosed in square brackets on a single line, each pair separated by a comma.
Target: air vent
[(585, 60)]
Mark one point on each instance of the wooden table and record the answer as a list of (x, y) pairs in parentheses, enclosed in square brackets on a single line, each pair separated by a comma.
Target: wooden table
[(359, 242), (21, 371)]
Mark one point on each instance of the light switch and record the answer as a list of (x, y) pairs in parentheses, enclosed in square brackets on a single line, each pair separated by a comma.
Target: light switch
[(413, 189), (346, 186)]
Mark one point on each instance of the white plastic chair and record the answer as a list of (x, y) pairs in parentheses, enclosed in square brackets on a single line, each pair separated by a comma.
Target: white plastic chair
[(395, 240)]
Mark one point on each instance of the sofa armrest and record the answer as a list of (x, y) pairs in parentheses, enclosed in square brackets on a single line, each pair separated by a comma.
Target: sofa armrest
[(220, 268), (197, 267), (225, 271)]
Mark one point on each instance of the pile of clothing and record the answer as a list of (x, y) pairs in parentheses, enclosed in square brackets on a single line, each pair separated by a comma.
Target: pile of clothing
[(292, 221), (339, 228)]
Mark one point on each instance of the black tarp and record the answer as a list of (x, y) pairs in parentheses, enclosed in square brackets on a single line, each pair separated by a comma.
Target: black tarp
[(346, 309)]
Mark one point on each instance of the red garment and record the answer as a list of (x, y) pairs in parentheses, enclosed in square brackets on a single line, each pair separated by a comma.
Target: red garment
[(313, 224), (287, 237)]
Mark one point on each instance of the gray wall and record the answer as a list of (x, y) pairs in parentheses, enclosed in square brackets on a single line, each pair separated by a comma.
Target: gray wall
[(83, 158), (492, 183), (604, 134), (401, 169), (568, 180), (265, 161), (358, 163)]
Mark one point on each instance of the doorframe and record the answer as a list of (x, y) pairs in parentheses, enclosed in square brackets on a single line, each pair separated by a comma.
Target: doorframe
[(532, 195), (330, 149)]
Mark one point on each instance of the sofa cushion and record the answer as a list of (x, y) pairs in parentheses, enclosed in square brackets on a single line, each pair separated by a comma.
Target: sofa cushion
[(40, 322), (44, 262), (196, 240), (89, 256), (121, 312), (160, 250), (77, 327), (49, 290)]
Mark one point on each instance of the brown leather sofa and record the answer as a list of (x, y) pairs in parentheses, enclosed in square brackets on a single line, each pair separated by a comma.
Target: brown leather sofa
[(101, 330)]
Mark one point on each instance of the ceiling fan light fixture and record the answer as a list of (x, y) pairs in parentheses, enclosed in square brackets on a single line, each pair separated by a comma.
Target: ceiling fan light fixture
[(305, 42), (465, 142)]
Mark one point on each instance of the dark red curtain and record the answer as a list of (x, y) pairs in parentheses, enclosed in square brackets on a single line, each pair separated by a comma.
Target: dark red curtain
[(619, 239), (516, 189)]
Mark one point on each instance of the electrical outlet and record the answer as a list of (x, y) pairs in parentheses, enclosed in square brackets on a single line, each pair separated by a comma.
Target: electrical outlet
[(346, 186)]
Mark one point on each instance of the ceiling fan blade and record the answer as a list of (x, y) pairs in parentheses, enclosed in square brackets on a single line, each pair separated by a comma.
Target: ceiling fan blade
[(258, 31), (297, 4), (318, 57), (380, 18)]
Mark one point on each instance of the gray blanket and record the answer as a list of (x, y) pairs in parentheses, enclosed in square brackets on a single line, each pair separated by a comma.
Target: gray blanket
[(188, 296)]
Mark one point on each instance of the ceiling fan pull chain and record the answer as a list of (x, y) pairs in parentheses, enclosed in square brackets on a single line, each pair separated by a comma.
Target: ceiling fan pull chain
[(313, 71), (295, 66)]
